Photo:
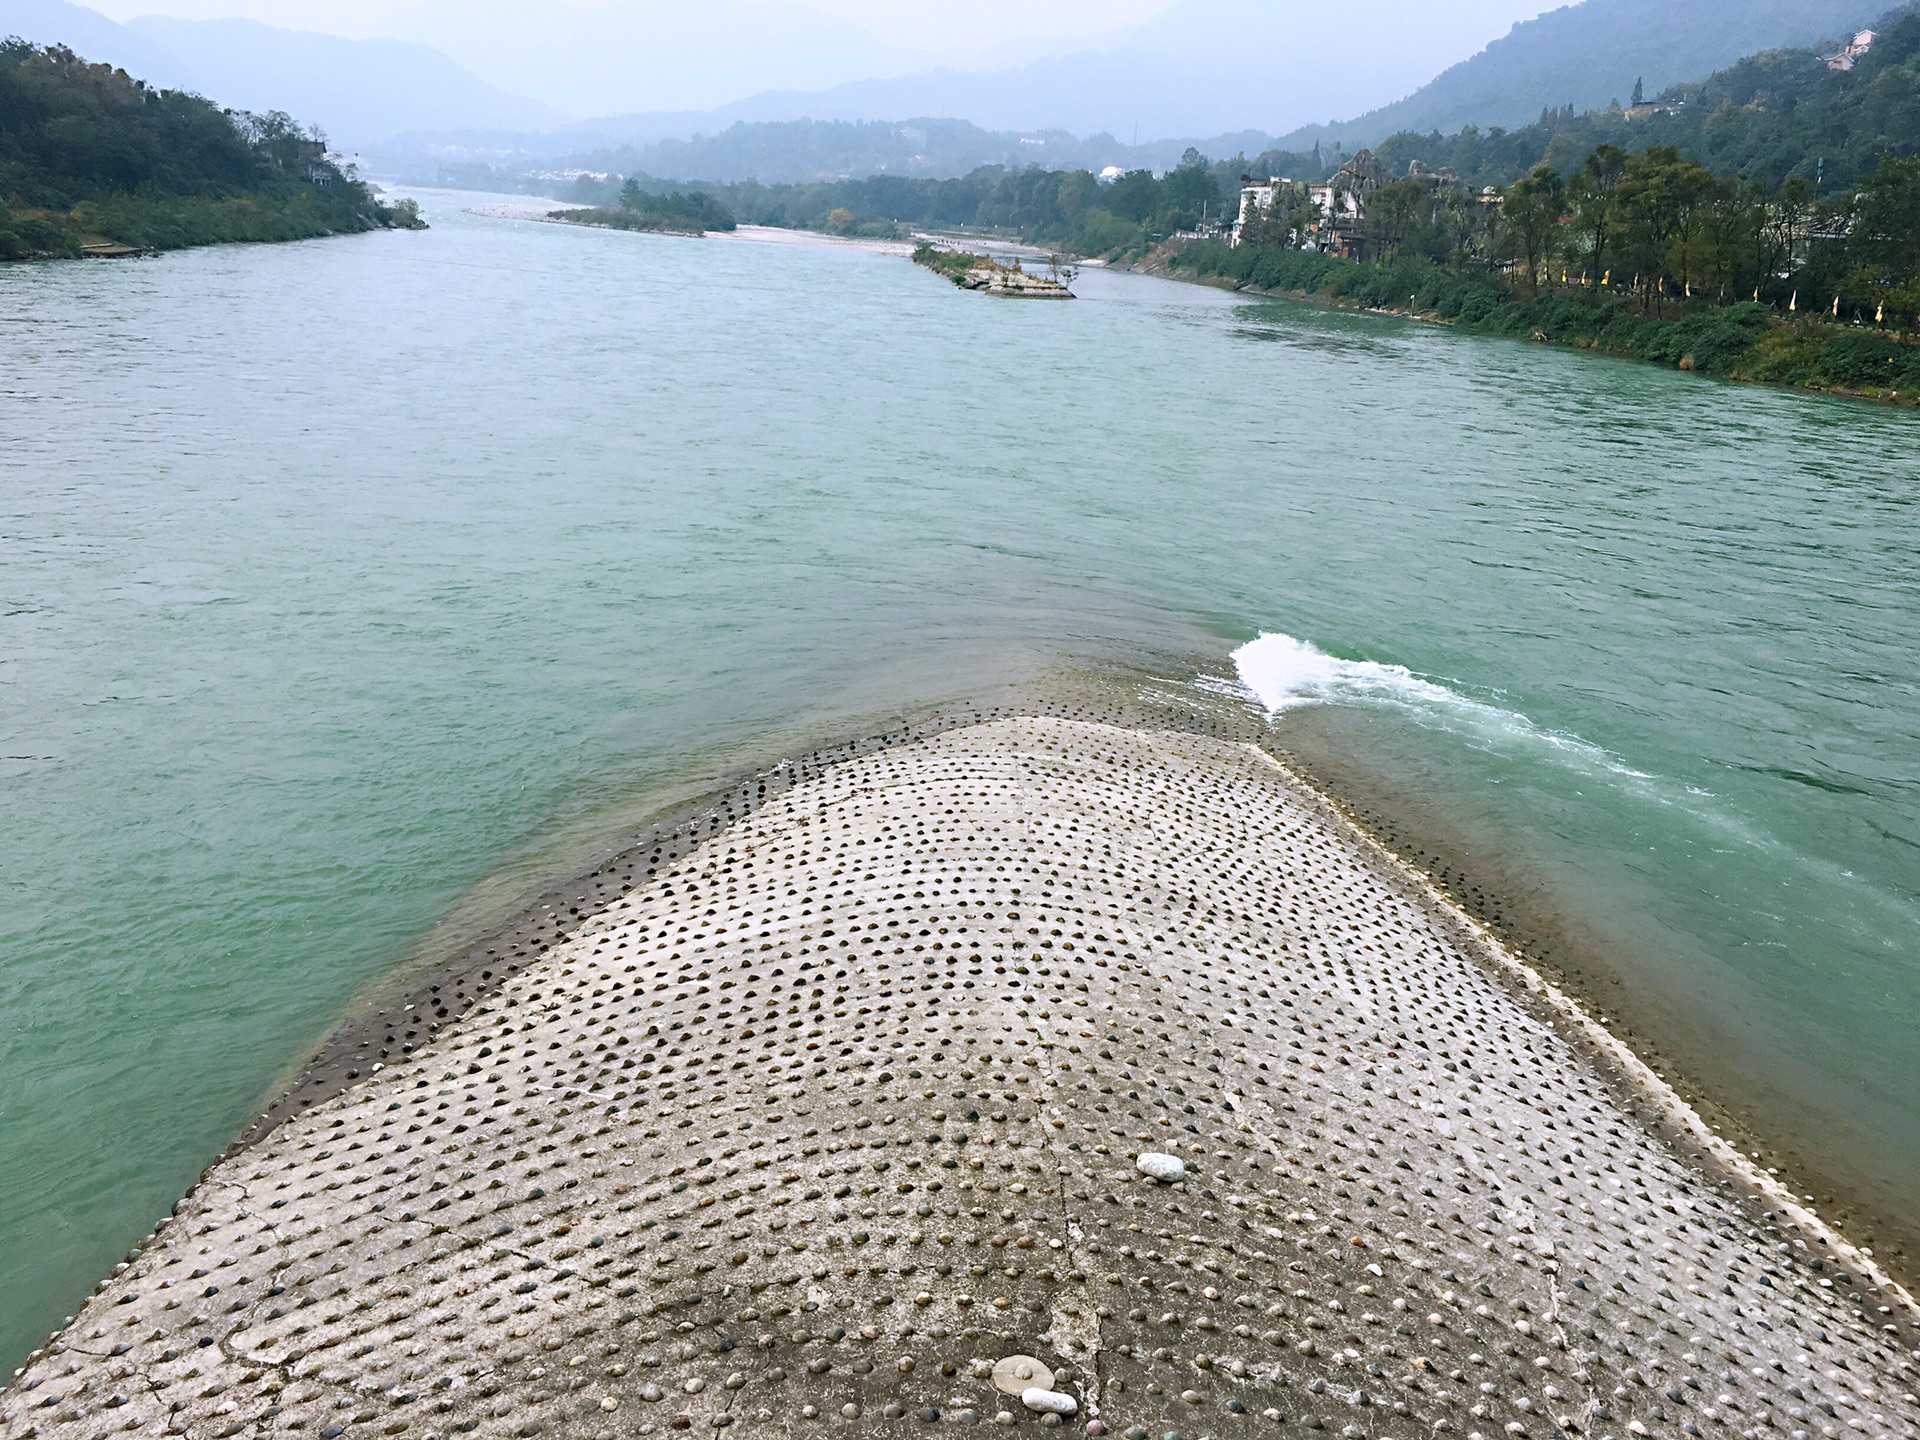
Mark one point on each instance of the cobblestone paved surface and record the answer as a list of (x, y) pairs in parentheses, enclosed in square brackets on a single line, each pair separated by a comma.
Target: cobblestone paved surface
[(822, 1123)]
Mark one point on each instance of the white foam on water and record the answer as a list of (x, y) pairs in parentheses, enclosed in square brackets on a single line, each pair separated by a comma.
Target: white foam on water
[(1283, 673)]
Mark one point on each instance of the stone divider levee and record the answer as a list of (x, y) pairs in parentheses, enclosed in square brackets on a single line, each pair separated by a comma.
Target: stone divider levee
[(833, 1118)]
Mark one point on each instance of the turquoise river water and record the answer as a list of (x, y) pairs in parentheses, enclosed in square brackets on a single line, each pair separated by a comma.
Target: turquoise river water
[(346, 584)]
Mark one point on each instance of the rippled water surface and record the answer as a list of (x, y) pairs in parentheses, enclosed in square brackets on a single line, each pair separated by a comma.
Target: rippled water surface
[(338, 577)]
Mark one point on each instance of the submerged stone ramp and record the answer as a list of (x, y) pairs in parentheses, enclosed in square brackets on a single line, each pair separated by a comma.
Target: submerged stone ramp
[(1041, 1074)]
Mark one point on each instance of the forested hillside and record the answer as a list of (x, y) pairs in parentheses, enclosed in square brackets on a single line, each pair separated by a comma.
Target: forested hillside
[(90, 155), (1772, 115), (1589, 56)]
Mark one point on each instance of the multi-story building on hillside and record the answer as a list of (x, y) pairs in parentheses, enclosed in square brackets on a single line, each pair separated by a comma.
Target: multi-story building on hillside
[(1335, 218), (1848, 56)]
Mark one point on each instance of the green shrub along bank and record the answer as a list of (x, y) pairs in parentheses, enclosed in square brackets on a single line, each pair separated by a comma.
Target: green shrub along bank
[(675, 212), (1745, 341), (32, 235), (89, 154), (954, 264)]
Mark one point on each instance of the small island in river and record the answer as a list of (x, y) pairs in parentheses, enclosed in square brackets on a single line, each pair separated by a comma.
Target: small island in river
[(990, 276), (675, 213)]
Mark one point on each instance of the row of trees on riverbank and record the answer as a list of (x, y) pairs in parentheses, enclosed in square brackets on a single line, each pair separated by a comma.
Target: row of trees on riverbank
[(1780, 181), (1665, 228), (1647, 255)]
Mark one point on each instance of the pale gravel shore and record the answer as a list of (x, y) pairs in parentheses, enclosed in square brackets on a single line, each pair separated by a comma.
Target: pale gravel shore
[(780, 235), (758, 234), (815, 239), (542, 213), (804, 1133)]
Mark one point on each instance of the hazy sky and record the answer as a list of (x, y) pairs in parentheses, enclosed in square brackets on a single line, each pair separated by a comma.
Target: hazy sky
[(931, 27), (925, 28), (922, 30), (599, 57)]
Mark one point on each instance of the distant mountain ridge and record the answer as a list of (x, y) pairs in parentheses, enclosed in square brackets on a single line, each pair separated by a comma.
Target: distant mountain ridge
[(1187, 72), (357, 91), (1591, 55), (813, 150), (1178, 74), (1586, 55)]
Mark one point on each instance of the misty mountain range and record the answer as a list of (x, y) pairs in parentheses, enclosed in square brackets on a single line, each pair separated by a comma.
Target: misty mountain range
[(355, 90), (1590, 56), (1229, 75)]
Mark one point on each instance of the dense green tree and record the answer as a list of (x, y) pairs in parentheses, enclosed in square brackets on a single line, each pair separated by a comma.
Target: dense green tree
[(1397, 214), (1286, 222), (1732, 250), (1078, 196), (1591, 196), (1790, 221), (1882, 251), (1658, 205), (1134, 196), (1460, 229), (1527, 231), (1190, 193)]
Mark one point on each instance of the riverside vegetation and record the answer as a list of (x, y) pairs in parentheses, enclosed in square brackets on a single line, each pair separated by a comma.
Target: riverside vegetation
[(673, 213), (1649, 256), (1762, 224), (1792, 256), (94, 160), (1068, 210)]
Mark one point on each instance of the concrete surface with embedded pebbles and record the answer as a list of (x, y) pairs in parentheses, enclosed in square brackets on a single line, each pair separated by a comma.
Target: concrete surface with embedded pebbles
[(833, 1128)]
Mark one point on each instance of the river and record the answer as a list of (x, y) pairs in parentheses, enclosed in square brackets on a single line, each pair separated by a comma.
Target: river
[(352, 584)]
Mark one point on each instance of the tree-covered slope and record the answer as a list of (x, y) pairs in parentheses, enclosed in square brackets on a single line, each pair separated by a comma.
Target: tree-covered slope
[(89, 153), (1590, 55), (1769, 116)]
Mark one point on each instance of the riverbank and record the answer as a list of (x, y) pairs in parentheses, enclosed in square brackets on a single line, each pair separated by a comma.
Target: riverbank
[(129, 226), (1744, 342), (1024, 952), (821, 239)]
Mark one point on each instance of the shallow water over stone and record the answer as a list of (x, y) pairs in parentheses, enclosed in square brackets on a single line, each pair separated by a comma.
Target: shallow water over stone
[(343, 579)]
